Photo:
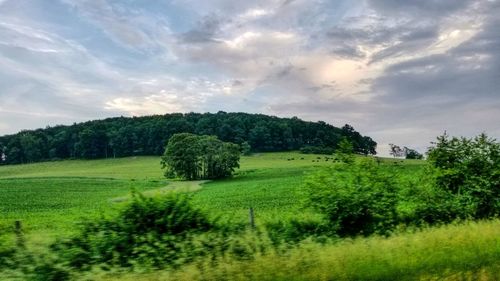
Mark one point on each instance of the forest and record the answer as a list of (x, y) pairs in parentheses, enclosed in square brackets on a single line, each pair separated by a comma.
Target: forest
[(134, 136)]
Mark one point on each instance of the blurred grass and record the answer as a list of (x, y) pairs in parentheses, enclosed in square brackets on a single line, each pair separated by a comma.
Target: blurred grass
[(469, 251)]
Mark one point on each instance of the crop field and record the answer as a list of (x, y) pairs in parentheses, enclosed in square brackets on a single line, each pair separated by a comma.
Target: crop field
[(51, 197)]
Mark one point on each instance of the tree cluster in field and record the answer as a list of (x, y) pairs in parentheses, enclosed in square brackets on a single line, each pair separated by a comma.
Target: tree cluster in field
[(408, 153), (194, 157), (122, 136), (362, 197)]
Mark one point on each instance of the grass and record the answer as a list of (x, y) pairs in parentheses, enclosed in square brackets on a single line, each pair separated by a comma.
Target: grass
[(50, 207), (273, 193), (141, 168), (271, 184), (51, 196), (469, 251)]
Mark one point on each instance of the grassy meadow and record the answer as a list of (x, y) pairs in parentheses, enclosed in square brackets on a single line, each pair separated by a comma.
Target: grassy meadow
[(51, 198)]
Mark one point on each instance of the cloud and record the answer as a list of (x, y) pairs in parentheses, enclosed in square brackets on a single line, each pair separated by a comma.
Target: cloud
[(428, 8), (400, 71), (205, 31)]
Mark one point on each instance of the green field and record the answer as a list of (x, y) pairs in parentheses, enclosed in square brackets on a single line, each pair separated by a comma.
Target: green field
[(54, 195), (51, 198)]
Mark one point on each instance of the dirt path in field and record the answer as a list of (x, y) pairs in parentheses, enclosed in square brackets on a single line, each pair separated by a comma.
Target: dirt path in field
[(173, 186), (178, 186)]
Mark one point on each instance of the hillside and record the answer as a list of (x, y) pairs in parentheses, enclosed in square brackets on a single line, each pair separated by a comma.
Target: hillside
[(124, 136)]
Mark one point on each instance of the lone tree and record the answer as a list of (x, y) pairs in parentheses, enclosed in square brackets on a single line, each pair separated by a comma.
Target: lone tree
[(412, 153), (194, 157), (396, 150)]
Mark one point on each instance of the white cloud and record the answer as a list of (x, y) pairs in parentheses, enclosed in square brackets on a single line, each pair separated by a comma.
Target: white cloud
[(153, 104)]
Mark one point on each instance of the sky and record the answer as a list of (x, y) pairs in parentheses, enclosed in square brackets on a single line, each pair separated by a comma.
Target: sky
[(399, 71)]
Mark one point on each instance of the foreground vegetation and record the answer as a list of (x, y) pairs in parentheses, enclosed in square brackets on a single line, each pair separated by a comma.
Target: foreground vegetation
[(310, 219), (464, 251), (468, 251)]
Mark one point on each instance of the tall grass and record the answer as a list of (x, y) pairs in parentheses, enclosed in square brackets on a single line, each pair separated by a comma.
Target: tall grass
[(469, 251)]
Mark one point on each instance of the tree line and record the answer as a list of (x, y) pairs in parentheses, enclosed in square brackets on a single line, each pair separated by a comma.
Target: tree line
[(128, 136)]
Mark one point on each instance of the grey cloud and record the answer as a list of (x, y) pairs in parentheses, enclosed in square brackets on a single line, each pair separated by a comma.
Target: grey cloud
[(237, 83), (468, 71), (427, 8), (204, 31), (348, 51), (410, 40), (398, 40)]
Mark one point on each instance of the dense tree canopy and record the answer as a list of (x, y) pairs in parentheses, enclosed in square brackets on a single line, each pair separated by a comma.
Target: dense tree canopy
[(123, 136), (193, 157), (412, 154)]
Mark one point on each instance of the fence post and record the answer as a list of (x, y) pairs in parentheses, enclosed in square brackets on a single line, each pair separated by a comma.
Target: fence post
[(19, 234), (252, 218)]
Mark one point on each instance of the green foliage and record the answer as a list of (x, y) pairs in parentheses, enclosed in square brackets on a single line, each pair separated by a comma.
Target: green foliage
[(355, 198), (421, 202), (469, 169), (194, 157), (7, 251), (345, 151), (454, 252), (149, 231), (308, 149), (294, 231), (246, 149), (360, 144), (412, 154)]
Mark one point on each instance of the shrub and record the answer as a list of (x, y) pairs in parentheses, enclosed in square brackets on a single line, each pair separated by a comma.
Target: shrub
[(294, 231), (422, 202), (151, 231), (469, 169), (357, 198)]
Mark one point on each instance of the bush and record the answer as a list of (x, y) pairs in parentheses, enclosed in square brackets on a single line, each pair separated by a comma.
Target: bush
[(294, 231), (423, 203), (154, 232), (355, 198), (469, 169)]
